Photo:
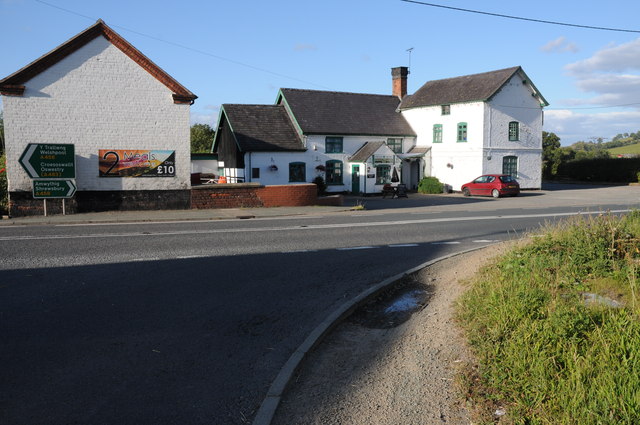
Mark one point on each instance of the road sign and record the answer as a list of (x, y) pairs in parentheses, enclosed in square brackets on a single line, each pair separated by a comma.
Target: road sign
[(53, 161), (43, 189)]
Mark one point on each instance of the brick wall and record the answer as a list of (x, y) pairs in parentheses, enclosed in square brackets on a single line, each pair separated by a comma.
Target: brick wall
[(252, 195), (22, 203), (288, 195)]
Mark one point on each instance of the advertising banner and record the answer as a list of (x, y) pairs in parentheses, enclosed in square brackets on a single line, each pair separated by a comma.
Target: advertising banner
[(136, 163)]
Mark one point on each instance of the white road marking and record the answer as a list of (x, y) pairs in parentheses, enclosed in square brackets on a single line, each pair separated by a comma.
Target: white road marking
[(297, 227), (353, 248), (402, 245), (486, 240), (298, 251), (446, 243)]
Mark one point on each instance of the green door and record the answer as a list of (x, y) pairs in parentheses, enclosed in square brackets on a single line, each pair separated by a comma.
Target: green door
[(355, 179)]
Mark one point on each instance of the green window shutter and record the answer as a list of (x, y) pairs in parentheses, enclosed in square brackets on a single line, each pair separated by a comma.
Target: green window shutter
[(333, 172), (462, 132), (514, 131), (437, 133)]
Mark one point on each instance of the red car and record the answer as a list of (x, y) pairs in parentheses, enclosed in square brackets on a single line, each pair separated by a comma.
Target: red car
[(495, 185)]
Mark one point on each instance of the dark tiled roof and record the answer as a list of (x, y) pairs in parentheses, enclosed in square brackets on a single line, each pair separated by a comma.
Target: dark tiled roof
[(263, 128), (468, 88), (13, 84), (365, 151), (326, 112)]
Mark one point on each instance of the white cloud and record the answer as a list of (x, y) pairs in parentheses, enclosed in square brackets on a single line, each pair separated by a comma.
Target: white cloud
[(305, 46), (613, 58), (609, 78), (572, 126), (560, 45)]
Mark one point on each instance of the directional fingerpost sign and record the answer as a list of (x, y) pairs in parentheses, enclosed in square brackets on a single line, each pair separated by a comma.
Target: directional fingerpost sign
[(53, 161), (43, 189)]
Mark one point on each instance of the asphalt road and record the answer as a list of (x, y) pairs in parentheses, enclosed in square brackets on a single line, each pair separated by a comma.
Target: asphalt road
[(189, 323)]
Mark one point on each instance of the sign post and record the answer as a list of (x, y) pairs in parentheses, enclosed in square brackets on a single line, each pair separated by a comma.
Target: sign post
[(52, 165), (49, 161), (43, 189)]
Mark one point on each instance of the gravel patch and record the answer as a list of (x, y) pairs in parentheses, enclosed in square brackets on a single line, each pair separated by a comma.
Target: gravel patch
[(394, 361)]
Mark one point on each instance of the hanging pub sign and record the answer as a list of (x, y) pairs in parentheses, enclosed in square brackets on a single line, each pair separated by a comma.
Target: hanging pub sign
[(136, 163)]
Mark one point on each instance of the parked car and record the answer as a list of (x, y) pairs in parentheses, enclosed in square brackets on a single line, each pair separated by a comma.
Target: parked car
[(495, 185)]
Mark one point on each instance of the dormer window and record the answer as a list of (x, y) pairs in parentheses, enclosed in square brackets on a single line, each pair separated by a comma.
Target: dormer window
[(446, 109), (333, 144), (395, 144)]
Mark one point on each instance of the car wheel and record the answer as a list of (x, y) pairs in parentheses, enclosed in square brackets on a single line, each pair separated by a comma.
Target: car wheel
[(495, 193), (466, 192)]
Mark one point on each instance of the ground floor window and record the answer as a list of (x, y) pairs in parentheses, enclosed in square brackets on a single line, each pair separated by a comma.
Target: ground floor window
[(510, 166), (383, 174), (297, 172), (333, 172)]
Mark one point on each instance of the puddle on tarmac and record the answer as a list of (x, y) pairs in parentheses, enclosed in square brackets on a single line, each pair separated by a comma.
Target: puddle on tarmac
[(394, 306)]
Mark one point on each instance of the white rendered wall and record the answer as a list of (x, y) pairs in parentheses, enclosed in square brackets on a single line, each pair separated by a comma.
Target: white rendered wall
[(98, 98), (314, 156), (452, 162), (514, 102)]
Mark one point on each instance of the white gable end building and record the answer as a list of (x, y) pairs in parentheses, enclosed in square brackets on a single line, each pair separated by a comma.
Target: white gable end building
[(488, 123)]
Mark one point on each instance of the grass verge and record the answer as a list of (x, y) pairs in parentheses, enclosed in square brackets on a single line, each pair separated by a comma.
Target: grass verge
[(550, 347)]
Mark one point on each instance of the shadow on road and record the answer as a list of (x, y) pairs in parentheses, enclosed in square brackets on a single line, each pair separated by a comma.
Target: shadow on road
[(169, 341)]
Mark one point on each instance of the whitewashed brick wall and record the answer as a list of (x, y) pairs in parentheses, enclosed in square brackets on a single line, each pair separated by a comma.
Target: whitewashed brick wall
[(98, 98)]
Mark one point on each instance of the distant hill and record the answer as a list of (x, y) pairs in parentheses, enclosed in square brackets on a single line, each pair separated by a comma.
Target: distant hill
[(628, 149)]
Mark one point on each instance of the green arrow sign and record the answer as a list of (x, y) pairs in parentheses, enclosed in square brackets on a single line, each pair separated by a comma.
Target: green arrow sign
[(43, 189), (54, 161)]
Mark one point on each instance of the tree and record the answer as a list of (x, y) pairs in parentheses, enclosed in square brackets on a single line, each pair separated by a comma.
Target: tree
[(201, 138), (551, 154)]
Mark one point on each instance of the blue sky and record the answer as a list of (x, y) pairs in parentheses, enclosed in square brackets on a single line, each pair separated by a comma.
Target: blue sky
[(242, 51)]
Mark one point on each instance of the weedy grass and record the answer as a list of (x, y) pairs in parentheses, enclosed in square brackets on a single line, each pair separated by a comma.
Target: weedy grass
[(545, 353)]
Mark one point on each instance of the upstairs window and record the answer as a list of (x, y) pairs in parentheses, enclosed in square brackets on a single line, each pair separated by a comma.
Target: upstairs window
[(462, 132), (395, 144), (514, 131), (437, 133), (333, 145), (446, 109), (297, 172), (333, 172)]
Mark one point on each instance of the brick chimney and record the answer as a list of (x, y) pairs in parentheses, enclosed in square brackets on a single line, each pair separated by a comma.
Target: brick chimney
[(399, 77)]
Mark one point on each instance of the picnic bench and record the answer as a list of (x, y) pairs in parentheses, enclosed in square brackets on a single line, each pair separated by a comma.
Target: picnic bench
[(399, 191)]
